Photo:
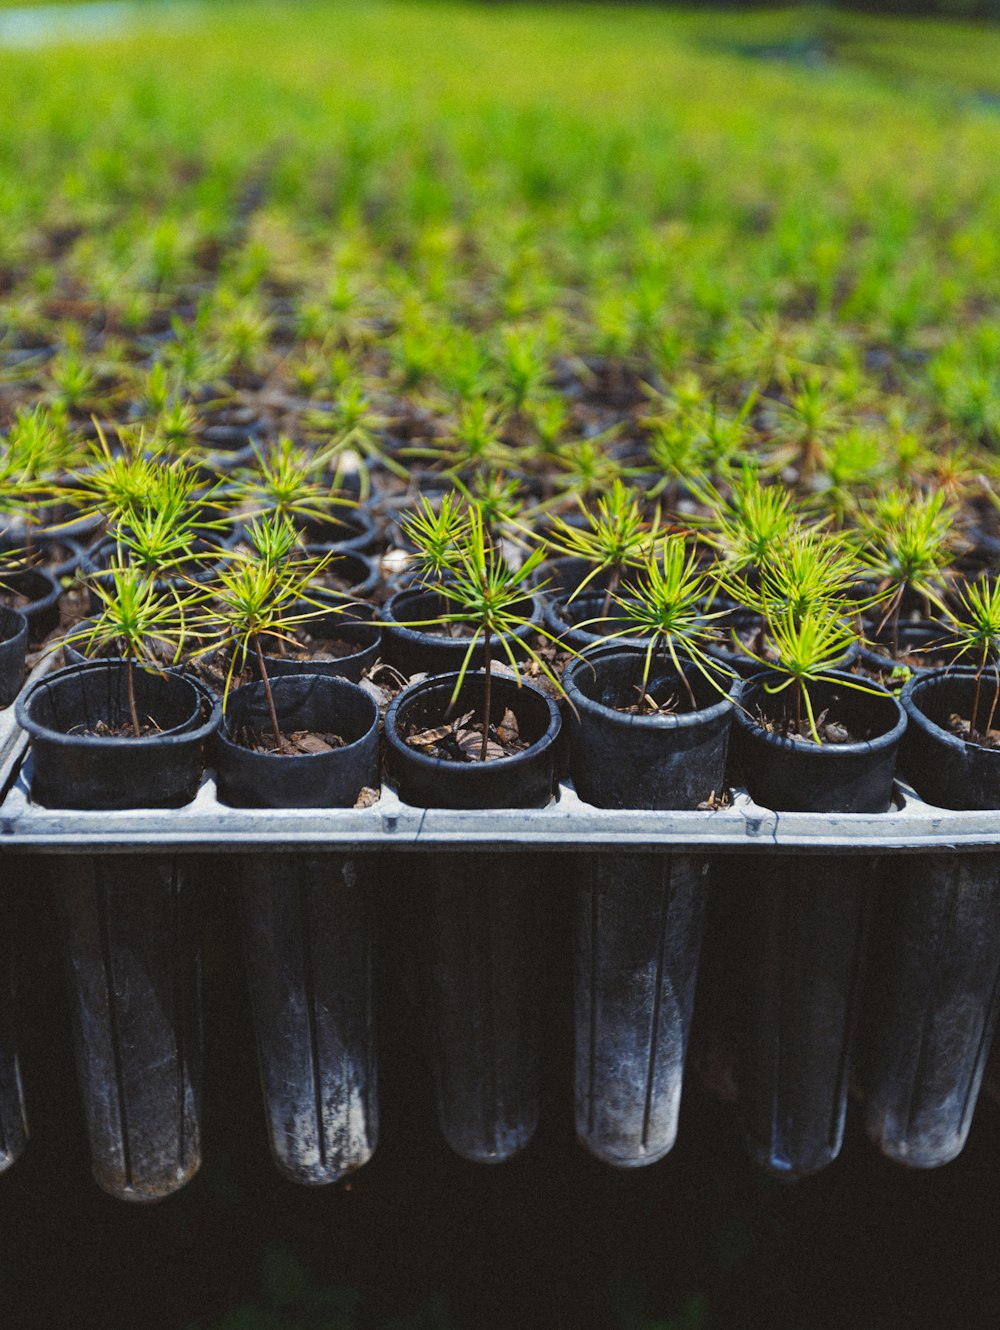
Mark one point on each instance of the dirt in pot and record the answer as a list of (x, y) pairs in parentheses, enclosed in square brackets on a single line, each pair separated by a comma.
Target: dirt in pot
[(101, 730), (961, 729), (382, 683), (555, 658), (830, 730), (461, 740), (296, 743), (318, 649)]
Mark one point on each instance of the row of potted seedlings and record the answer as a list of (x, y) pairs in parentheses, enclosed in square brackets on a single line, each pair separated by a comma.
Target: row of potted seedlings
[(618, 647)]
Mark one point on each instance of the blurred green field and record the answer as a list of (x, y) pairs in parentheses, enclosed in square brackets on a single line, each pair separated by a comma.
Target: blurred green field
[(749, 195)]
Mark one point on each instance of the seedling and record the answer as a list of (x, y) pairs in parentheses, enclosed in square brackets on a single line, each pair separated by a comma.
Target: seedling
[(139, 621), (616, 536), (473, 443), (808, 625), (484, 593), (974, 629), (436, 532), (910, 539), (666, 604), (255, 597), (752, 526), (289, 483), (355, 428)]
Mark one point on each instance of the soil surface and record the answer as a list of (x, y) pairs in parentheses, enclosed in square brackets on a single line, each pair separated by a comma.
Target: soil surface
[(295, 743), (124, 731), (831, 731), (461, 740), (961, 729), (320, 649)]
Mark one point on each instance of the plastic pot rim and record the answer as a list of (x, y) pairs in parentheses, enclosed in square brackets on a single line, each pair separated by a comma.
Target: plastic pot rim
[(300, 676), (585, 705), (779, 741), (148, 741), (424, 762), (926, 679), (52, 594), (589, 638), (17, 621), (421, 638)]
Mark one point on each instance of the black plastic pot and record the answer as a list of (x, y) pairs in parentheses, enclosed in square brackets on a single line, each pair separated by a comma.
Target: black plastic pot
[(349, 531), (307, 935), (932, 1004), (922, 641), (944, 769), (13, 1123), (42, 592), (725, 651), (935, 985), (638, 916), (795, 777), (226, 447), (353, 626), (563, 619), (131, 933), (325, 703), (359, 572), (420, 651), (307, 938), (60, 555), (13, 648), (798, 927), (559, 577), (481, 961), (619, 760), (522, 781), (75, 770)]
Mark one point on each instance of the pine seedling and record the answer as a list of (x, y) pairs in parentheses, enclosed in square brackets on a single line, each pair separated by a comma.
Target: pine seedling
[(617, 536), (812, 414), (113, 482), (666, 604), (523, 365), (436, 533), (473, 443), (498, 498), (287, 481), (677, 455), (755, 522), (34, 453), (910, 538), (355, 429), (252, 600), (485, 594), (806, 648), (811, 567), (973, 627), (587, 469), (138, 620)]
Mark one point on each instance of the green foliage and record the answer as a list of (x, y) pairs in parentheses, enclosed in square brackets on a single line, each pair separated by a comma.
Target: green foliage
[(666, 604), (616, 536), (483, 592)]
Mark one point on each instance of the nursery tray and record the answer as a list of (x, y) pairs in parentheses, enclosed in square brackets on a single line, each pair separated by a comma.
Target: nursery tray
[(566, 824)]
